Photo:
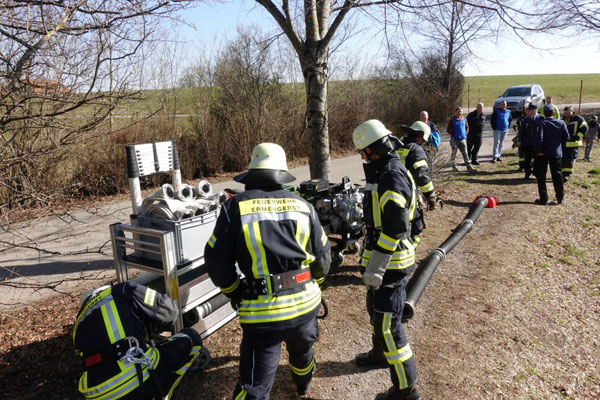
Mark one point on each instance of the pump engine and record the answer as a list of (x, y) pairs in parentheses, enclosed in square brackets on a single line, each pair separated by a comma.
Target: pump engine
[(339, 207)]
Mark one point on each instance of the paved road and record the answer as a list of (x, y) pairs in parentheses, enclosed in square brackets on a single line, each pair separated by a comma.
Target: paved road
[(77, 246)]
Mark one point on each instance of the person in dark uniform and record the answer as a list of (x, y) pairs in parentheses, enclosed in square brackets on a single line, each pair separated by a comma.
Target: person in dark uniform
[(388, 257), (548, 149), (413, 156), (517, 127), (476, 120), (577, 128), (111, 336), (284, 255), (528, 130)]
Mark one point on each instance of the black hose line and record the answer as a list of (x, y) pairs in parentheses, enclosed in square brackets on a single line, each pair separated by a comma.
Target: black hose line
[(417, 283)]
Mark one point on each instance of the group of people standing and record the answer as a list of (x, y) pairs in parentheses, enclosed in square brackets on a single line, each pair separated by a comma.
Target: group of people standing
[(545, 141), (466, 134)]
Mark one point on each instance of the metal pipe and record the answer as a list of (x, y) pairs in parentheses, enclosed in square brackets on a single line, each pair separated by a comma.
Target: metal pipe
[(417, 283)]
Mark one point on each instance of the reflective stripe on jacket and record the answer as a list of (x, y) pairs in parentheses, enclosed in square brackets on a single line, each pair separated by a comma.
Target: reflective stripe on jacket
[(577, 128), (269, 231), (390, 203), (414, 159)]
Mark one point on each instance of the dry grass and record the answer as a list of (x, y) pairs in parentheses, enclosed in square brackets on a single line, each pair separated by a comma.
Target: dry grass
[(512, 313)]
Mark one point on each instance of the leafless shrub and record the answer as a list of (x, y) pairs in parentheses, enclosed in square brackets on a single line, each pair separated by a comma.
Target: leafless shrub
[(65, 68)]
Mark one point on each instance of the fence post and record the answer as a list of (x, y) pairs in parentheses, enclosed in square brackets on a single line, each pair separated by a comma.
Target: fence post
[(580, 92), (468, 97)]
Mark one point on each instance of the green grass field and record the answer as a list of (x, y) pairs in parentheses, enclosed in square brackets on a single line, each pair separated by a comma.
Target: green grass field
[(563, 88)]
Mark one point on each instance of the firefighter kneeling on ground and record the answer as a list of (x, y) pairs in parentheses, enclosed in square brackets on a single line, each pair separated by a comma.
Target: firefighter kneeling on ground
[(275, 237), (388, 257), (111, 335)]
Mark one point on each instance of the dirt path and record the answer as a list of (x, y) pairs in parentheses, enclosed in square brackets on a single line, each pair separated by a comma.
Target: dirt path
[(512, 313)]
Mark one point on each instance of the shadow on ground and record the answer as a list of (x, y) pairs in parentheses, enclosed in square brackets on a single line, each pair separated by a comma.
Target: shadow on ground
[(53, 268), (47, 369)]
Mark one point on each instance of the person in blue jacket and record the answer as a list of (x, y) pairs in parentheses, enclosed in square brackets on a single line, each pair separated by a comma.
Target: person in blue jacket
[(500, 122), (458, 128), (548, 150)]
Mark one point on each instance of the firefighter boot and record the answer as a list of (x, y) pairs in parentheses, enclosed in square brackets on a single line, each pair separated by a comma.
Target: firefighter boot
[(394, 393), (372, 359)]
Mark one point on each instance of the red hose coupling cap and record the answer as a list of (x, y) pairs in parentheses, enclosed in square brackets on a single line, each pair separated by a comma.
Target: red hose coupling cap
[(492, 201)]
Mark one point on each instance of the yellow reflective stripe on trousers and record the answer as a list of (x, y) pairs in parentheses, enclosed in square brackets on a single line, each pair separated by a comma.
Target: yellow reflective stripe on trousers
[(303, 371), (121, 384), (393, 196), (419, 164), (112, 322), (232, 287), (241, 395), (386, 242), (567, 169), (428, 187), (398, 356), (280, 308), (257, 251), (577, 143), (391, 347), (181, 371)]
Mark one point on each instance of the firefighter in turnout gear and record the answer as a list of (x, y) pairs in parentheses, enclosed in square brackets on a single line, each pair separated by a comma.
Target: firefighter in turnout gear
[(388, 257), (283, 253), (577, 128), (414, 158), (111, 335)]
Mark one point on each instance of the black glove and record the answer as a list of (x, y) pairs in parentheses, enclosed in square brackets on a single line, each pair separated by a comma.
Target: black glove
[(235, 303), (431, 202)]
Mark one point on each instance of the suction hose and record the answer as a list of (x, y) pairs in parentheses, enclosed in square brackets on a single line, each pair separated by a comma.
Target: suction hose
[(193, 316), (417, 283)]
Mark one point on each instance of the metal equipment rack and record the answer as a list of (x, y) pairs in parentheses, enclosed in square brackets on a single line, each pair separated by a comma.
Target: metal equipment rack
[(155, 251)]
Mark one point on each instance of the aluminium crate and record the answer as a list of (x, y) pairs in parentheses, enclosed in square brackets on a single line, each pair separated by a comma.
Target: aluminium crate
[(190, 234)]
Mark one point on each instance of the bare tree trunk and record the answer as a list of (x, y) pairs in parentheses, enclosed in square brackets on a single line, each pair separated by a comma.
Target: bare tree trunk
[(315, 71)]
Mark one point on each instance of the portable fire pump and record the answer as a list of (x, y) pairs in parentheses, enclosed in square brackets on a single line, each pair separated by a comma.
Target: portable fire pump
[(339, 208)]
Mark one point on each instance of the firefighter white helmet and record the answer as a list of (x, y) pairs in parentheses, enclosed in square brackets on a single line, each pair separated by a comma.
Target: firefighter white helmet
[(268, 156), (418, 128), (268, 165), (368, 133)]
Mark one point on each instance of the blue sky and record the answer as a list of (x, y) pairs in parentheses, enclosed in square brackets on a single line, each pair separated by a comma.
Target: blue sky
[(511, 57)]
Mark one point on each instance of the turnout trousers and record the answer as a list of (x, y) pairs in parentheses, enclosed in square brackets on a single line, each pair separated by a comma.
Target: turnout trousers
[(385, 306), (541, 168), (259, 359), (568, 160), (177, 354)]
